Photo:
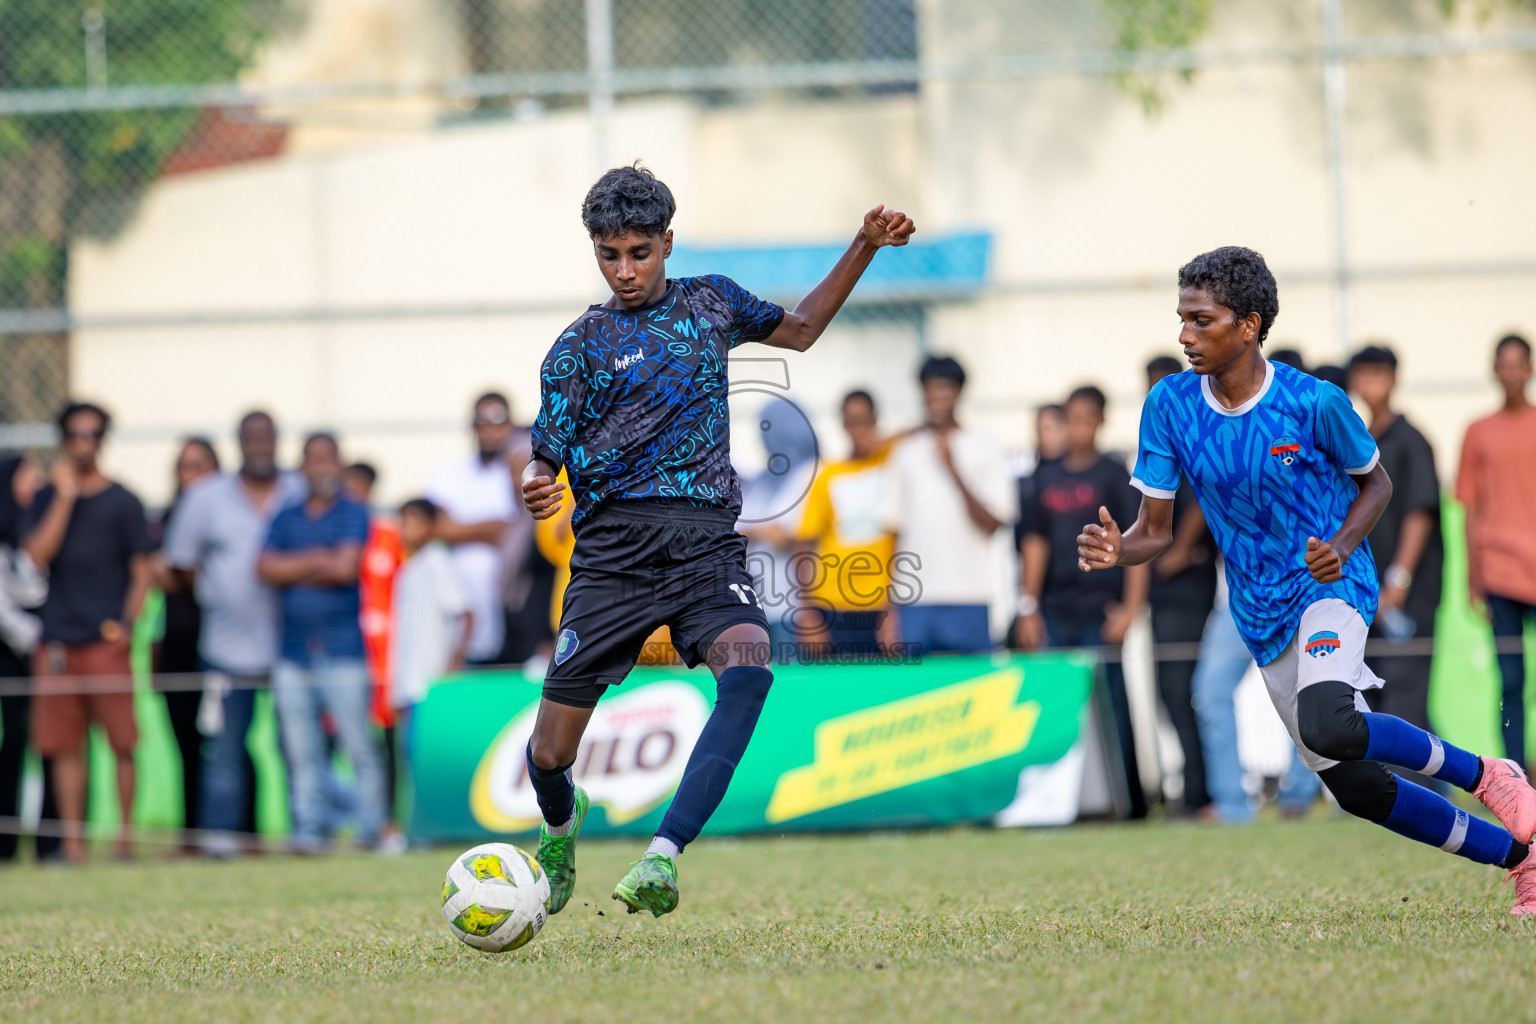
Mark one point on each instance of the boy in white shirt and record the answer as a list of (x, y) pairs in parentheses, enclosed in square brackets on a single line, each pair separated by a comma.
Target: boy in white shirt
[(433, 621)]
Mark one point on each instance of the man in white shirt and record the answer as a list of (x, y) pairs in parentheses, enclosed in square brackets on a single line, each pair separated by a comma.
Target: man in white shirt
[(476, 502), (950, 492)]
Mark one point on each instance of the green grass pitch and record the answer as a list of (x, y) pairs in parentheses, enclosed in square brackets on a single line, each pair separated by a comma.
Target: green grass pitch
[(1320, 920)]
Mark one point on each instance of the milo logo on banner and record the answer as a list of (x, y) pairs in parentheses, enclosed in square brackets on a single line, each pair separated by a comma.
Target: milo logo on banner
[(630, 760)]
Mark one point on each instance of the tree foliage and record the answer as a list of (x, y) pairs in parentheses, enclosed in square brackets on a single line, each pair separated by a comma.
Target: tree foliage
[(1145, 25), (1484, 8), (106, 156)]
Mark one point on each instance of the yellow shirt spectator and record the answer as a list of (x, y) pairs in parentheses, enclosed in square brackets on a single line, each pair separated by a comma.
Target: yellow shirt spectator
[(844, 520)]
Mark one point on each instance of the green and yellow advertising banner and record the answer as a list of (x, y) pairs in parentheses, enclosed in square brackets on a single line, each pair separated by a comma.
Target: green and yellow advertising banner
[(837, 747)]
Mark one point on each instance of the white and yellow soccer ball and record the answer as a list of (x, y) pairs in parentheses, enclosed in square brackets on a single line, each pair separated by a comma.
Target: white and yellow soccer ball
[(493, 898)]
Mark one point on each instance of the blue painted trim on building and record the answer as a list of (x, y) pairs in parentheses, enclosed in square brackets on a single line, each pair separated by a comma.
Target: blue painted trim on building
[(949, 265)]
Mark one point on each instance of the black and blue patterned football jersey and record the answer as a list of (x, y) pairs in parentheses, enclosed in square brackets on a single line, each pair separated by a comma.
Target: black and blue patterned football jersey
[(633, 402)]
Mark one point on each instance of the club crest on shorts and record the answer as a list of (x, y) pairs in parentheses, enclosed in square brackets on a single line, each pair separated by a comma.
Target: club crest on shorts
[(1322, 644), (1286, 449), (565, 645)]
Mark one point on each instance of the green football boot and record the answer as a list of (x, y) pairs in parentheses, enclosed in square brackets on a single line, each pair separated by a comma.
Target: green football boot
[(650, 885), (557, 856)]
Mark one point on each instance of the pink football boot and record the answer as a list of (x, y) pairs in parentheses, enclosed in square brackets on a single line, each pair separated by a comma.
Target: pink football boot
[(1524, 875), (1504, 791)]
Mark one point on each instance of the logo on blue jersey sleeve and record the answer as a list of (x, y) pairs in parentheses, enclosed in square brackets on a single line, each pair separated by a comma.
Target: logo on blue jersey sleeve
[(1322, 644), (1286, 449)]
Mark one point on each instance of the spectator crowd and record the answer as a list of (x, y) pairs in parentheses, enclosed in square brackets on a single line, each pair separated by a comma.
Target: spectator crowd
[(278, 581), (290, 582)]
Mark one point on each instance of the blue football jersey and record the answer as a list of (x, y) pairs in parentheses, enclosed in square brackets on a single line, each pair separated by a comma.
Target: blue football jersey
[(633, 402), (1268, 475)]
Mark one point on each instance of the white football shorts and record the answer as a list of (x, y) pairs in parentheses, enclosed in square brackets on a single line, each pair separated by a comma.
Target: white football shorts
[(1328, 645)]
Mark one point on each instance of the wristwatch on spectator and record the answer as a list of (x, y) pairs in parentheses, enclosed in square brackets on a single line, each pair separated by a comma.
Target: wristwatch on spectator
[(1397, 577), (1028, 605)]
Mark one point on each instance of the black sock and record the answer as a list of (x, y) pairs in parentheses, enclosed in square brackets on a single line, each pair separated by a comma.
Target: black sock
[(1517, 852), (1477, 778), (554, 789)]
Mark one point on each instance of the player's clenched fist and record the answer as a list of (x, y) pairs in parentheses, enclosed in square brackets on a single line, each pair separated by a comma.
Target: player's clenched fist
[(1324, 561), (541, 491), (887, 227), (1099, 546)]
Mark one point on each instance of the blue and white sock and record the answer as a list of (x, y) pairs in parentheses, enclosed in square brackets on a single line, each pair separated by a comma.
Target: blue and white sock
[(1396, 742), (1430, 818)]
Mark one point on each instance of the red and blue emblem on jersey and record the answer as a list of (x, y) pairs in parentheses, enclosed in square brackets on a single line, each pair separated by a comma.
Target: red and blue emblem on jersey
[(1286, 449), (1322, 644)]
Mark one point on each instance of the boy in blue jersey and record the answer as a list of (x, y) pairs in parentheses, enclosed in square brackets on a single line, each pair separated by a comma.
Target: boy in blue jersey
[(634, 407), (1289, 480)]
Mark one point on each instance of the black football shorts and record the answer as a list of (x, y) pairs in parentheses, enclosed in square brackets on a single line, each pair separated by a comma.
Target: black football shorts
[(637, 566)]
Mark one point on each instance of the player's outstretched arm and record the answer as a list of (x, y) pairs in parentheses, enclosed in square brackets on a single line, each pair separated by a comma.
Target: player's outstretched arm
[(542, 493), (800, 328), (1326, 558), (1101, 545)]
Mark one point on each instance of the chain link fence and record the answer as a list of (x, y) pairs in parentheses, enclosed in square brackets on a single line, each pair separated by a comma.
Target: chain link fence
[(99, 100)]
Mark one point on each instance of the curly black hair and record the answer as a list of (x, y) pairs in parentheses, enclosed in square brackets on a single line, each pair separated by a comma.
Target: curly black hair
[(425, 507), (1238, 279), (941, 368), (73, 409), (1088, 393), (1374, 355), (628, 199), (1515, 340)]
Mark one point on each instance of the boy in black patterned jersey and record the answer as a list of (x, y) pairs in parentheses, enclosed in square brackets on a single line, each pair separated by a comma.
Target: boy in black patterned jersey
[(634, 407)]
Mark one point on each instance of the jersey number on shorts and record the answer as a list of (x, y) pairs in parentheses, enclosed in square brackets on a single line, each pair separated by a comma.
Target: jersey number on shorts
[(746, 593)]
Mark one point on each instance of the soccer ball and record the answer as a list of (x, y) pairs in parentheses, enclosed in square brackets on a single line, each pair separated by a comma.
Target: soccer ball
[(493, 898)]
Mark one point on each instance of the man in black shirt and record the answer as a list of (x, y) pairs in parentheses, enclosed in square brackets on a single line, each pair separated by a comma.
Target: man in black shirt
[(1060, 606), (91, 534), (1406, 542), (1050, 446), (1183, 591)]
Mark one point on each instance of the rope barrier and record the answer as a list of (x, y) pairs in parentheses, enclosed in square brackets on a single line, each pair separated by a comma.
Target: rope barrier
[(62, 685)]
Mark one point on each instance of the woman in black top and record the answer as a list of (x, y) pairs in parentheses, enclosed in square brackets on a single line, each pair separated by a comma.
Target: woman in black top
[(21, 589), (176, 654)]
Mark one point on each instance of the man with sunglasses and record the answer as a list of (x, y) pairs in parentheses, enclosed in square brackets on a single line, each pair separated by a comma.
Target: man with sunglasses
[(477, 501), (91, 534)]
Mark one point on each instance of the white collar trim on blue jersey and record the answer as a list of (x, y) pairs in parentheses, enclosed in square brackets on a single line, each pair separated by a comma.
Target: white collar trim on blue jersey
[(1210, 399)]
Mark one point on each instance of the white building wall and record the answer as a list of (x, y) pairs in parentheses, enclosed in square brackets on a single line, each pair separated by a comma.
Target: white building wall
[(1093, 205)]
